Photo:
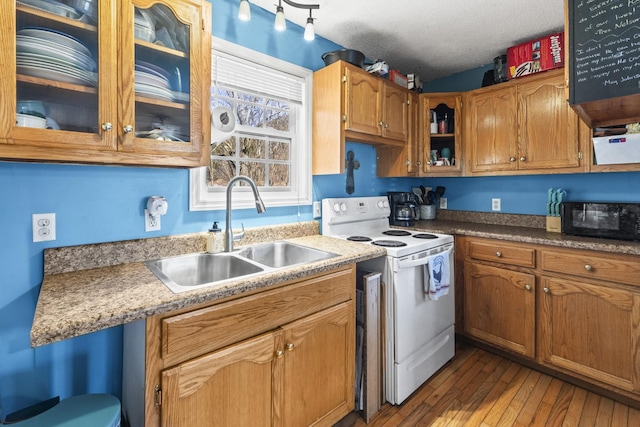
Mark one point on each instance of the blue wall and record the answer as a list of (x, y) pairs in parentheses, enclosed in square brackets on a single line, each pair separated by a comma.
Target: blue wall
[(104, 203)]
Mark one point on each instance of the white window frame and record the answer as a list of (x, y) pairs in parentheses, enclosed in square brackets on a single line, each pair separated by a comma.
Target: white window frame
[(202, 197)]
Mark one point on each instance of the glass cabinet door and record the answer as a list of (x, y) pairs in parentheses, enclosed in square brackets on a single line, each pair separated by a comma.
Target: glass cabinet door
[(65, 82), (157, 77)]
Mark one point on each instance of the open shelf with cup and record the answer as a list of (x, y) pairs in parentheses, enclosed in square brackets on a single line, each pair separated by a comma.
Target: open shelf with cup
[(441, 133)]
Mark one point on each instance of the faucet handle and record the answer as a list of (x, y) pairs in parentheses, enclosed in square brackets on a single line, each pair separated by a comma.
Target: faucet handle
[(239, 235)]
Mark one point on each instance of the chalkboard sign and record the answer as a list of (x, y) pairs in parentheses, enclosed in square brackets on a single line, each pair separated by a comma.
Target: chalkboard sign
[(604, 43)]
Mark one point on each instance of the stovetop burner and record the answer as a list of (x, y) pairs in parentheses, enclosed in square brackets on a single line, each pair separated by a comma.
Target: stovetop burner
[(396, 233), (359, 238), (389, 243), (425, 236)]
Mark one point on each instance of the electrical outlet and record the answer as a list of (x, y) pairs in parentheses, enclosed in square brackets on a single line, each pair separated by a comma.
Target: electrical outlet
[(151, 223), (443, 203), (495, 205), (317, 209), (44, 227)]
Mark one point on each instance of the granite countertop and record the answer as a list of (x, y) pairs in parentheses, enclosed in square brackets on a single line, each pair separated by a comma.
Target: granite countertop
[(89, 288), (522, 229), (92, 287)]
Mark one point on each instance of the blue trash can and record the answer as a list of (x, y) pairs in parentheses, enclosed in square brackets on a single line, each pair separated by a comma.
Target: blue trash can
[(95, 410)]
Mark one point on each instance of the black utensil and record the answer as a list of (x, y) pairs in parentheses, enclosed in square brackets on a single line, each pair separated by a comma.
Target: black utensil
[(431, 198), (424, 191), (440, 191)]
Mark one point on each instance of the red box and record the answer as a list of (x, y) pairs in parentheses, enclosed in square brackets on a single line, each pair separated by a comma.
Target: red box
[(536, 55), (400, 79)]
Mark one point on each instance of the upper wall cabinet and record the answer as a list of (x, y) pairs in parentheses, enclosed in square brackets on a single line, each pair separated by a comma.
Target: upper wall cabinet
[(523, 126), (122, 82), (351, 104)]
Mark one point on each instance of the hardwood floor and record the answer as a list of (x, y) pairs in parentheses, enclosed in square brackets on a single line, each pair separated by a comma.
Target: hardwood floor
[(478, 388)]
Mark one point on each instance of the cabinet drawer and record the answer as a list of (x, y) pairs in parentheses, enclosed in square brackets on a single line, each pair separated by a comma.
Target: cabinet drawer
[(619, 269), (201, 331), (502, 252)]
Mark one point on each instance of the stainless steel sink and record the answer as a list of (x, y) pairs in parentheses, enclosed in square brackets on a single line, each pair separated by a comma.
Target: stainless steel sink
[(187, 272), (283, 254), (199, 270)]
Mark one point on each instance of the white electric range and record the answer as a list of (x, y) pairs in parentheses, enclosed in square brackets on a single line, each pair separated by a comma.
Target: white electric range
[(419, 332)]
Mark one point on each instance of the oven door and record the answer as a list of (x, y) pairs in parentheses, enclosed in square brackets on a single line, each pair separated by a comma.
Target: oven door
[(420, 331)]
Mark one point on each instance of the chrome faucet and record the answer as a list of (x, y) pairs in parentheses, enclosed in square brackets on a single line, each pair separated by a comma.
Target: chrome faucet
[(229, 237)]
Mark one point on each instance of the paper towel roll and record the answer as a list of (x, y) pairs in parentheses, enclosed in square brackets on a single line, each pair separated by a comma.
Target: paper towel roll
[(223, 123)]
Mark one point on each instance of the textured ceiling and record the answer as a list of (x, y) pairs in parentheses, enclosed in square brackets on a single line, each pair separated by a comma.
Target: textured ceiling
[(431, 38)]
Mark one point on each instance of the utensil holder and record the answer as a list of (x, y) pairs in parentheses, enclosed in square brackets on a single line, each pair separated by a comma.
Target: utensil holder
[(427, 211)]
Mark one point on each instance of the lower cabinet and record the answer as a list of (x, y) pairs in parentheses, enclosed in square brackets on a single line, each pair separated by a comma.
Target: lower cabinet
[(576, 312), (282, 357), (494, 297), (591, 329)]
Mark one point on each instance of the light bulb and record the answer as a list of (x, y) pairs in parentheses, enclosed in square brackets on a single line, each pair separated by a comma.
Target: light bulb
[(280, 23), (244, 11), (309, 33)]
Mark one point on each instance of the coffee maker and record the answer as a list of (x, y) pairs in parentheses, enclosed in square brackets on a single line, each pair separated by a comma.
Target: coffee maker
[(403, 208)]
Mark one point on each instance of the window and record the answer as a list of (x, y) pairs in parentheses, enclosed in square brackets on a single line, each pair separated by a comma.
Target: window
[(271, 142)]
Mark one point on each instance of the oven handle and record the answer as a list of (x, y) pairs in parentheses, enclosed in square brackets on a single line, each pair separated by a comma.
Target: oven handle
[(409, 263), (422, 260)]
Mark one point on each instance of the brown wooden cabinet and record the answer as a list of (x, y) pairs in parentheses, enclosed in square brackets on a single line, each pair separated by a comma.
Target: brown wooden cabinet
[(125, 99), (447, 105), (573, 311), (403, 161), (499, 302), (351, 104), (253, 360), (591, 329), (523, 126)]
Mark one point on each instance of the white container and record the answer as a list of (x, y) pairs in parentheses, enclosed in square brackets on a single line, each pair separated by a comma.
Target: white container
[(433, 122), (617, 149), (29, 121)]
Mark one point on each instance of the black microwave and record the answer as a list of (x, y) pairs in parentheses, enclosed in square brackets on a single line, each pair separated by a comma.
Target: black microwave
[(601, 219)]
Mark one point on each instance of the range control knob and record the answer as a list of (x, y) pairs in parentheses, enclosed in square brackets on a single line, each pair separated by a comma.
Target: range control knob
[(336, 207), (380, 204), (343, 207)]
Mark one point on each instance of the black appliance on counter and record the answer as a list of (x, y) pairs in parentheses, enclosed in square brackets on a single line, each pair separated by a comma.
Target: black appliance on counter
[(404, 208), (601, 219)]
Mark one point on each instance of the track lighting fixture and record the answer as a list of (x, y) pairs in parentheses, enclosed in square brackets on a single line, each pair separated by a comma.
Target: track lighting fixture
[(244, 12), (280, 24), (309, 32)]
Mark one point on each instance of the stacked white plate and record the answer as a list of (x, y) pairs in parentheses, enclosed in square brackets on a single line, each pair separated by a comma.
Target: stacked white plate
[(50, 54), (152, 81)]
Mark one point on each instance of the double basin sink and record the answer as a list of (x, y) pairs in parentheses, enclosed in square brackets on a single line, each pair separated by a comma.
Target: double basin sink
[(193, 271)]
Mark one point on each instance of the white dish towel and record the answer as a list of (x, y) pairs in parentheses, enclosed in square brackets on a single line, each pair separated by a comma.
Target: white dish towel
[(437, 275)]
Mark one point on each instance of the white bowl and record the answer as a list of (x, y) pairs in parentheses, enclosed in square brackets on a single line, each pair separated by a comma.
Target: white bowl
[(25, 120)]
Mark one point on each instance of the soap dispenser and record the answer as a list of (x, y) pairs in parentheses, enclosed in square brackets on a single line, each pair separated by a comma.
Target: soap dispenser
[(214, 239)]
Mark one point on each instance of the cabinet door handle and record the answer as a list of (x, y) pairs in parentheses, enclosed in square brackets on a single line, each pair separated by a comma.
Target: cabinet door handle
[(498, 254), (527, 287), (279, 354), (588, 267), (546, 290), (107, 126), (512, 159), (523, 158), (289, 346), (128, 129), (381, 123)]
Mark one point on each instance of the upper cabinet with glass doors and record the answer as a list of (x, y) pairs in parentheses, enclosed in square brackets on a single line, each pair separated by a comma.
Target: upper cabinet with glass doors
[(101, 81)]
